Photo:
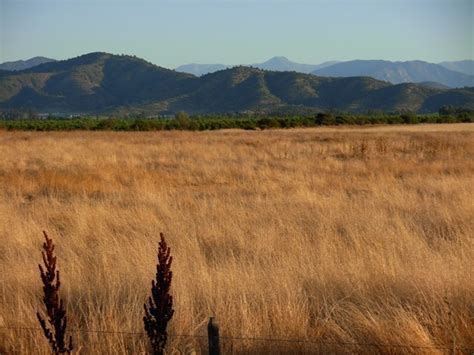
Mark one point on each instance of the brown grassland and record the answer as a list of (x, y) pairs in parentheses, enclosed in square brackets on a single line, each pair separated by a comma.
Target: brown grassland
[(337, 235)]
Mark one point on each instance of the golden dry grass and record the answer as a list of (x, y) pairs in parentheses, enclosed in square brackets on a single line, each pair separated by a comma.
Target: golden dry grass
[(337, 235)]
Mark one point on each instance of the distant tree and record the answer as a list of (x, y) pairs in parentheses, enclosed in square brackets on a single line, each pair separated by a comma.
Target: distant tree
[(183, 121), (409, 117), (325, 118), (340, 120), (182, 117)]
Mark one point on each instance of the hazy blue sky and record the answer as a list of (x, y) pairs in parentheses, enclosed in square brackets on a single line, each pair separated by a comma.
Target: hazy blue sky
[(173, 32)]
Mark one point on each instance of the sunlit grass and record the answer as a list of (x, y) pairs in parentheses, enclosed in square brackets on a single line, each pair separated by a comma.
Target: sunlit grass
[(342, 235)]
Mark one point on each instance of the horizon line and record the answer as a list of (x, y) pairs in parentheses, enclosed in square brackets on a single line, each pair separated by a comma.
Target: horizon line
[(240, 64)]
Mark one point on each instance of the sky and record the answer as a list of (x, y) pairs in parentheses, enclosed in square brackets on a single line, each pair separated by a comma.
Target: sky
[(174, 32)]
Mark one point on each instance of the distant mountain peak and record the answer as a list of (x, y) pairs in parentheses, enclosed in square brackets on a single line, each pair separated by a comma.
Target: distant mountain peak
[(25, 64), (277, 63), (278, 59), (41, 58), (94, 55)]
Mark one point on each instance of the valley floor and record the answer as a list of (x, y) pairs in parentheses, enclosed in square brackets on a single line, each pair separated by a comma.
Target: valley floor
[(353, 239)]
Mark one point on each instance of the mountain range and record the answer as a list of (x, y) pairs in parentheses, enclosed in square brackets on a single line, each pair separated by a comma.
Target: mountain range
[(398, 72), (105, 83), (450, 74), (444, 74), (275, 64), (25, 64)]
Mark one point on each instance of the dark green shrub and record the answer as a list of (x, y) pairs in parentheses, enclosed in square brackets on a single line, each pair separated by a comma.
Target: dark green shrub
[(325, 119), (409, 118)]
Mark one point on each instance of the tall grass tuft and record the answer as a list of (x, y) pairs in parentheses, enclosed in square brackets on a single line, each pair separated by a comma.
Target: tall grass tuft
[(160, 305), (55, 332)]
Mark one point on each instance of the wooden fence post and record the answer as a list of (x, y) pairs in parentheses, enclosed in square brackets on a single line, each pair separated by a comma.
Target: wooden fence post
[(213, 337)]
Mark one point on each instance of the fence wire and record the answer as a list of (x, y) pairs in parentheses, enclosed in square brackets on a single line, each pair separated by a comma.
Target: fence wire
[(260, 339)]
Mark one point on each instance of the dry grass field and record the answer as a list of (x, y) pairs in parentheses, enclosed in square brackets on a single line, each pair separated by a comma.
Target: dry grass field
[(336, 235)]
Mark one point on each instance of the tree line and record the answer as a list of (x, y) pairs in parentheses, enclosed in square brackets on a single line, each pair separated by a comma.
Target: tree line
[(182, 121)]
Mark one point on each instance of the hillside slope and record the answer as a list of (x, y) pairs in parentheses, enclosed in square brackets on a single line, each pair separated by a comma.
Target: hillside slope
[(92, 82), (462, 66)]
